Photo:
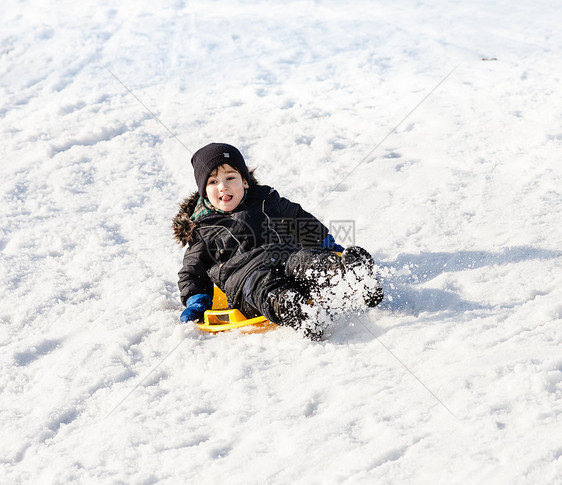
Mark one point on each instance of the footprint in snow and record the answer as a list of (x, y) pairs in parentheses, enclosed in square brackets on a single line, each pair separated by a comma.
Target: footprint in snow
[(28, 356)]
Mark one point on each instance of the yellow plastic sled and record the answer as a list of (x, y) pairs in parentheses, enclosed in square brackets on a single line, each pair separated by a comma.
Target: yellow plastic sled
[(221, 318)]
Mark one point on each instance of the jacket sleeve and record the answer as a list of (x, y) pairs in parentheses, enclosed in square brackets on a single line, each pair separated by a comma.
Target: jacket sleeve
[(193, 277), (306, 228)]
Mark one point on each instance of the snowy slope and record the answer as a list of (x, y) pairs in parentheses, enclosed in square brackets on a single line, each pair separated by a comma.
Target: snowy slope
[(455, 378)]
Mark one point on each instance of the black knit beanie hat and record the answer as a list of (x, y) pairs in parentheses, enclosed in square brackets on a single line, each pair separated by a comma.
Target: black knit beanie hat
[(211, 156)]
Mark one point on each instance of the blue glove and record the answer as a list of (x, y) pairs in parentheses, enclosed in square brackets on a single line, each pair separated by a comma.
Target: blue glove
[(195, 307), (330, 243)]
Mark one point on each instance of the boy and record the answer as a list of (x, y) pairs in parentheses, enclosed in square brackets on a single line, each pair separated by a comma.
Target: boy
[(267, 254)]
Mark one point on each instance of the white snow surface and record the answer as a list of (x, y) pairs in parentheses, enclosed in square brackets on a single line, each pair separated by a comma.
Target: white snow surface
[(455, 378)]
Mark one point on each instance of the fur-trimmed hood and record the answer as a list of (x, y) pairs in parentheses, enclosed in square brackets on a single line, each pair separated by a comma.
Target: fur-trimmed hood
[(182, 225)]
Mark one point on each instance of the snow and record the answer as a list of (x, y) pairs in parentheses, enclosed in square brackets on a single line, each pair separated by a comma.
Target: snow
[(455, 378)]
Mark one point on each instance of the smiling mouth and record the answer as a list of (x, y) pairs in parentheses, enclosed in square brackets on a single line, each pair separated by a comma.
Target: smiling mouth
[(226, 198)]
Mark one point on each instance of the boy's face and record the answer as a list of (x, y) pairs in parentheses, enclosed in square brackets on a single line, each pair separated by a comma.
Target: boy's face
[(225, 188)]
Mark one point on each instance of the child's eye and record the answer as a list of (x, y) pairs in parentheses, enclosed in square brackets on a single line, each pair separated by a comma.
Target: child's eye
[(210, 182)]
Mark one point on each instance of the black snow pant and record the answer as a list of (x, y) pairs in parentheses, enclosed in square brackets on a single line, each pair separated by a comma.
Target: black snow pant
[(303, 271)]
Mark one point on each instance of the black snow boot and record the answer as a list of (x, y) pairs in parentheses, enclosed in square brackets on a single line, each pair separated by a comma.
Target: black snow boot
[(289, 308), (360, 262), (355, 256), (313, 269)]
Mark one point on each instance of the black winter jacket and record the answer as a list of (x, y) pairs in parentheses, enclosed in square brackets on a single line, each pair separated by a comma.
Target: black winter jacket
[(225, 248)]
